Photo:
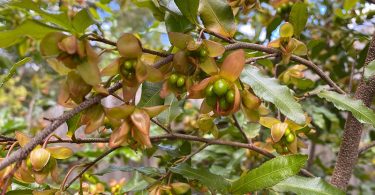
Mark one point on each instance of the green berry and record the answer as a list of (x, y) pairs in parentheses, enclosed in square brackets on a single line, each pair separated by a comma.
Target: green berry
[(220, 87), (290, 138), (209, 90), (129, 65), (230, 96), (211, 100), (203, 53), (285, 149), (287, 132), (223, 104), (180, 81), (173, 79)]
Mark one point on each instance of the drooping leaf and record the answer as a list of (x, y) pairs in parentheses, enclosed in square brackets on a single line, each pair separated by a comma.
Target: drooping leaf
[(136, 183), (150, 95), (307, 186), (270, 90), (29, 28), (212, 181), (269, 173), (60, 19), (82, 20), (13, 70), (217, 16), (369, 70), (189, 9), (361, 112), (298, 17)]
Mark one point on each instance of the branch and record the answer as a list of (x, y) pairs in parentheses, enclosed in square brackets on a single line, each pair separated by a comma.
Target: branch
[(348, 153), (237, 124), (311, 65), (366, 147), (254, 59)]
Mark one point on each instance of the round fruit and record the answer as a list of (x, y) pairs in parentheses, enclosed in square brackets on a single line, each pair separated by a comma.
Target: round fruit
[(203, 53), (290, 138), (230, 96), (211, 100), (287, 132), (128, 64), (285, 149), (223, 104), (220, 87), (173, 79), (210, 90), (180, 82)]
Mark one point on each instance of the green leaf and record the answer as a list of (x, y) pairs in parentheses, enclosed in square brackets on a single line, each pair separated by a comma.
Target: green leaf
[(136, 183), (150, 95), (189, 9), (29, 28), (349, 4), (273, 25), (212, 181), (369, 70), (269, 173), (217, 16), (361, 112), (73, 124), (60, 19), (156, 12), (270, 90), (170, 6), (13, 70), (82, 20), (298, 17), (172, 112), (149, 171), (176, 23), (20, 192), (307, 186)]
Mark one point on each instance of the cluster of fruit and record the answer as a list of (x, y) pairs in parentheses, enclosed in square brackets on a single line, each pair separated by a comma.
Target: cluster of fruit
[(128, 69), (281, 146), (177, 80), (284, 8), (219, 92), (200, 53)]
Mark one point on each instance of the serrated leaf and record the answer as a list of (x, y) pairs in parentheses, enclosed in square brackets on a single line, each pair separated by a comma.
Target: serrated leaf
[(189, 9), (212, 181), (270, 90), (269, 173), (369, 70), (13, 70), (307, 186), (171, 113), (217, 16), (298, 17), (361, 112), (150, 95)]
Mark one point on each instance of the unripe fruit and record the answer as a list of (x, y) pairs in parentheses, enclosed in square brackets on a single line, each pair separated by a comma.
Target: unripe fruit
[(223, 104), (209, 90), (211, 100), (180, 188), (290, 138), (285, 149), (203, 53), (287, 132), (180, 81), (221, 87), (128, 65), (230, 96), (173, 79), (39, 158)]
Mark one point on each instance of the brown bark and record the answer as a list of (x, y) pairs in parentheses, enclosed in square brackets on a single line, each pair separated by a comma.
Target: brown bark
[(348, 153)]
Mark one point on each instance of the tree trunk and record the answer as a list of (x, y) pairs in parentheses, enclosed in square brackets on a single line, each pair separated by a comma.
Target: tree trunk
[(348, 154)]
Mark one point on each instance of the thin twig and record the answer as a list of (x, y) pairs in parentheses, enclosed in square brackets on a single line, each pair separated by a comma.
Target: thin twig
[(254, 59), (161, 126), (237, 124), (88, 166), (366, 147)]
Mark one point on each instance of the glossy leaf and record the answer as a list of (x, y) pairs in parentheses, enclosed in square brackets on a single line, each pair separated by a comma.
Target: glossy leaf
[(82, 20), (119, 112), (155, 110), (361, 112), (270, 90), (212, 181), (90, 73), (189, 9), (307, 186), (49, 44), (286, 30), (278, 130), (217, 16), (129, 46), (176, 23), (73, 124), (60, 152), (298, 17), (269, 173), (150, 94), (369, 70), (179, 40)]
